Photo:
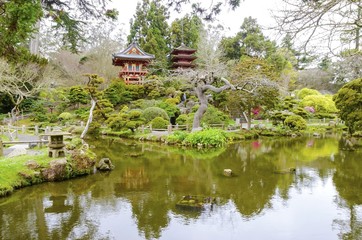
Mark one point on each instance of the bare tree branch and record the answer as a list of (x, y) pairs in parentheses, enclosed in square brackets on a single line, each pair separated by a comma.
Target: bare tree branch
[(316, 22)]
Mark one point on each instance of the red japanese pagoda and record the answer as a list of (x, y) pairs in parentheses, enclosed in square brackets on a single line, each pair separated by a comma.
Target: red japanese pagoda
[(182, 57), (133, 62)]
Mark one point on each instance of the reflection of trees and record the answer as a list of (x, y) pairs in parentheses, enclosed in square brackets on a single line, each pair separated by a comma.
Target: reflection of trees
[(348, 182), (254, 184), (150, 213), (155, 180), (50, 211)]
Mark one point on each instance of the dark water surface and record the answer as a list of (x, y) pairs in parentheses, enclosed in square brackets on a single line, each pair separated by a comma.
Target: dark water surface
[(137, 200)]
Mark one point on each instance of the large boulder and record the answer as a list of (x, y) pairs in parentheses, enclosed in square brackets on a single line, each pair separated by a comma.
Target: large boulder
[(56, 171), (17, 150), (105, 164)]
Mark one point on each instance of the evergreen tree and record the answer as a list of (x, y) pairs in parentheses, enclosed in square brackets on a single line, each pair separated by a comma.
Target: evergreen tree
[(17, 23), (253, 41), (186, 30), (249, 41), (150, 28)]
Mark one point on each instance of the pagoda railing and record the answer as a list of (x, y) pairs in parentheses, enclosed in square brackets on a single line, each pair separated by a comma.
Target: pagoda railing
[(133, 72)]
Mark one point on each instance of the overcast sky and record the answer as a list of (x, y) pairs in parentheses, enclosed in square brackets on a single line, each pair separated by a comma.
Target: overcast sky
[(231, 20)]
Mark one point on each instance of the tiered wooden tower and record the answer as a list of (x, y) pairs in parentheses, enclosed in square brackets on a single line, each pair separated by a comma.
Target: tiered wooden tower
[(133, 62), (182, 57)]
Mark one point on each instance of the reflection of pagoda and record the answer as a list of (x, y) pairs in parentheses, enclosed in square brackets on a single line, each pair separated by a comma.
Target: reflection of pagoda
[(134, 179), (182, 57), (133, 62), (59, 205)]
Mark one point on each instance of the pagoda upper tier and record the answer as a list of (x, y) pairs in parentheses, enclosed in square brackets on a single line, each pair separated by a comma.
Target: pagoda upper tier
[(133, 62), (182, 57)]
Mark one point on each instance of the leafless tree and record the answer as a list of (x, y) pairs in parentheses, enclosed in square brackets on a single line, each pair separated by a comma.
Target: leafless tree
[(347, 68), (20, 82), (209, 54), (336, 23)]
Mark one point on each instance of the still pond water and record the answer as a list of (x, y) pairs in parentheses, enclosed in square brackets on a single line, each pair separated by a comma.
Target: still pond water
[(137, 200)]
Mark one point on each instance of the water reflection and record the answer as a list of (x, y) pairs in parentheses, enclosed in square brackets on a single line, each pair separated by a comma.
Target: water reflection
[(138, 199)]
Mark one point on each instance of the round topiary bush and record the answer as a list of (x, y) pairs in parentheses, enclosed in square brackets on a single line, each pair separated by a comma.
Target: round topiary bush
[(159, 123), (65, 116), (152, 112), (182, 119), (295, 122)]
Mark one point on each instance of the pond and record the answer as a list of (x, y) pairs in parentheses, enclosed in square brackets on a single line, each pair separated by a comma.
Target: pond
[(137, 200)]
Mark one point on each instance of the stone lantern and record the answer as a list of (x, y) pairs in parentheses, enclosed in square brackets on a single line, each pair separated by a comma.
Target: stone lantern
[(56, 143)]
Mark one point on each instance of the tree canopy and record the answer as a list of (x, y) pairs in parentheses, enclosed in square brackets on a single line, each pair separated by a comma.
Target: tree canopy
[(150, 28), (19, 21), (17, 24), (186, 30)]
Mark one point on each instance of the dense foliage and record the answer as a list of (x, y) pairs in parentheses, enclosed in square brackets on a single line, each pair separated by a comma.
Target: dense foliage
[(152, 112), (349, 101), (208, 137), (295, 122)]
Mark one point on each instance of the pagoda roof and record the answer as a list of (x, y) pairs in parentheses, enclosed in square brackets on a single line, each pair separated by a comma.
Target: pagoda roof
[(183, 56), (183, 64), (133, 52), (183, 48)]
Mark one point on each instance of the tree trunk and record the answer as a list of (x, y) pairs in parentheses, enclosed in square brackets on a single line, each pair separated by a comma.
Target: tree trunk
[(249, 117), (13, 114), (200, 92), (90, 118)]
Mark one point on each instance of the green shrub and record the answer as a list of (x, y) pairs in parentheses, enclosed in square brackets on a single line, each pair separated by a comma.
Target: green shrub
[(208, 137), (321, 103), (152, 112), (74, 143), (144, 103), (94, 128), (171, 108), (39, 113), (279, 117), (325, 115), (173, 101), (307, 92), (301, 112), (159, 123), (52, 118), (126, 119), (182, 119), (65, 116), (176, 137), (82, 113), (214, 116), (295, 123)]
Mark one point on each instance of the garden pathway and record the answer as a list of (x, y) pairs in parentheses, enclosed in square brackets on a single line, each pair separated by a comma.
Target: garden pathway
[(20, 149)]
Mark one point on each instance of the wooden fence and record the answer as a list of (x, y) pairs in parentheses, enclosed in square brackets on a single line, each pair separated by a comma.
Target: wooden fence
[(177, 127)]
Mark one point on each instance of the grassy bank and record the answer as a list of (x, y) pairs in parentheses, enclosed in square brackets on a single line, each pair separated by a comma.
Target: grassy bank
[(14, 172), (25, 170)]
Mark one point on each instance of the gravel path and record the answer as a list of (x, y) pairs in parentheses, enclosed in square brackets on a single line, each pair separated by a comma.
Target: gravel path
[(18, 149)]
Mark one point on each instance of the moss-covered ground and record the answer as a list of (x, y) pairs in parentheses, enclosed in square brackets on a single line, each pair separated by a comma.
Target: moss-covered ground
[(15, 174)]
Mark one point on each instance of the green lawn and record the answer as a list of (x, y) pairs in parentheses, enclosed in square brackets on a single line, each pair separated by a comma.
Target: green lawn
[(14, 173)]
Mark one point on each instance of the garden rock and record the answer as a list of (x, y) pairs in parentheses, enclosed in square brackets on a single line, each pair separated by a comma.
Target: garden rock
[(228, 172), (57, 170), (32, 164), (105, 164)]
